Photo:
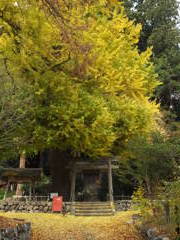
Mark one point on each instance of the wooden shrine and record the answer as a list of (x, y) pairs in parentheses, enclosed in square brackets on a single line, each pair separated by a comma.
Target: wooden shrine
[(92, 172), (19, 176)]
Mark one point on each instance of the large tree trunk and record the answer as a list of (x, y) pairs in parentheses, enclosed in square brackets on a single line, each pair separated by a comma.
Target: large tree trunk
[(22, 164), (58, 162)]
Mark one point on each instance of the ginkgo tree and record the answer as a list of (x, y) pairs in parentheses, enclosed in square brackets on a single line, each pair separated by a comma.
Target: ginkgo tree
[(91, 87)]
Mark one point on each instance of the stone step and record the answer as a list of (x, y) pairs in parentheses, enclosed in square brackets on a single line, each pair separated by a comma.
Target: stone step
[(93, 210), (92, 207), (94, 214), (92, 204), (95, 203), (89, 204)]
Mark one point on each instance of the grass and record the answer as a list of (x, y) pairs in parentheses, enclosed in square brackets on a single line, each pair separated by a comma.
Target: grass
[(9, 194), (57, 227)]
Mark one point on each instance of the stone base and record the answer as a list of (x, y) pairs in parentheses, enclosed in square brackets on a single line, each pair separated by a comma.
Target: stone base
[(22, 231)]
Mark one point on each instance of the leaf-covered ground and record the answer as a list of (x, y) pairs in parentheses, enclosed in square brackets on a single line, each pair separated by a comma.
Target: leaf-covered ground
[(57, 227)]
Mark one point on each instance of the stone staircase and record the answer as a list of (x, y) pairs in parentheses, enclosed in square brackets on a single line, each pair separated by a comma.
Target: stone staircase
[(92, 209)]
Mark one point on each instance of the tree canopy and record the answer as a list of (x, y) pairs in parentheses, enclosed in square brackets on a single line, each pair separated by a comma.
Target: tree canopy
[(160, 21), (89, 85)]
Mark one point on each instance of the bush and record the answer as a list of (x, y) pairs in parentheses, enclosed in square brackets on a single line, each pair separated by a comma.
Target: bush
[(2, 192), (162, 211)]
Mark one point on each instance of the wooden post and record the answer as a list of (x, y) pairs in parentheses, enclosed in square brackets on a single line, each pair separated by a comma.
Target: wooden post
[(73, 189), (73, 185), (22, 164), (30, 190), (110, 183), (33, 189), (6, 191)]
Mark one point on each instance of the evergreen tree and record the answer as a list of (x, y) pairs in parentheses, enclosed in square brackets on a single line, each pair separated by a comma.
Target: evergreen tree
[(159, 21), (150, 161)]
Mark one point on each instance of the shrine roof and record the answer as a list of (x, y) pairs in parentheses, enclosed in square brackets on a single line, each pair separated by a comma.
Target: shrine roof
[(20, 174), (93, 165)]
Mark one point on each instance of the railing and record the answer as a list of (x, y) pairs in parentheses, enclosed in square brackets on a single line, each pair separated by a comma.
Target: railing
[(32, 198), (48, 198), (94, 197), (121, 197)]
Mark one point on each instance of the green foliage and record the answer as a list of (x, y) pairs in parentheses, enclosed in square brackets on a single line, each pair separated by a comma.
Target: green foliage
[(150, 161), (161, 211), (159, 25), (171, 192), (160, 29), (42, 187), (2, 192), (140, 202), (14, 115)]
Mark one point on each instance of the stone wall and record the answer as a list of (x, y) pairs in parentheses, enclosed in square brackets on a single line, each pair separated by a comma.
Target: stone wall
[(123, 205), (46, 206), (22, 231), (25, 206), (152, 234)]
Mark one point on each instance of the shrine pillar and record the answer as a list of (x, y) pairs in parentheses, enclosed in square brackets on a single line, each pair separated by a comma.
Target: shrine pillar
[(73, 185), (110, 182)]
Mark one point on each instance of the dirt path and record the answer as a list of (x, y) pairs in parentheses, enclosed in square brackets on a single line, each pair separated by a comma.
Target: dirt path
[(57, 227)]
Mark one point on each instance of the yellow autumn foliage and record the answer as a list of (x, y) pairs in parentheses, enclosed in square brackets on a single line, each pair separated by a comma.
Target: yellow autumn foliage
[(57, 227), (90, 86)]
